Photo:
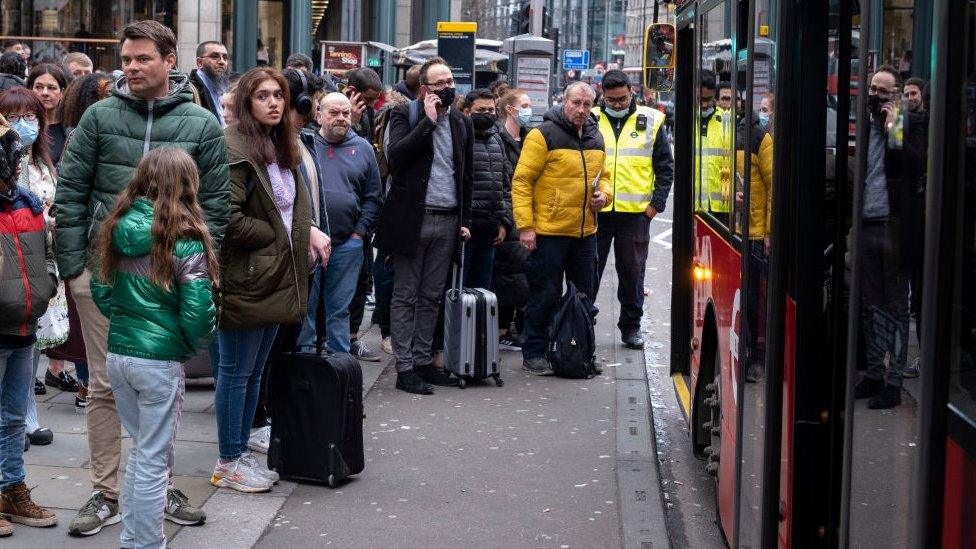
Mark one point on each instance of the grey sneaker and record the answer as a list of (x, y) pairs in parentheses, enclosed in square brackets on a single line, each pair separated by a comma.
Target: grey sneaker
[(249, 460), (180, 511), (912, 371), (359, 350), (237, 476), (537, 366), (96, 514)]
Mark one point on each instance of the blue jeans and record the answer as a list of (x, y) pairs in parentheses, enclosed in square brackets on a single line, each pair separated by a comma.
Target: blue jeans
[(242, 357), (149, 397), (341, 276), (16, 378), (479, 259), (553, 257)]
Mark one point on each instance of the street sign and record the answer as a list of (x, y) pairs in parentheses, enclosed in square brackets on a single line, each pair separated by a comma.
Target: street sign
[(576, 60), (456, 44)]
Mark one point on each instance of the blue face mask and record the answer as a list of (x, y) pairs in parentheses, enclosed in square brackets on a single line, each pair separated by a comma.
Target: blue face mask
[(615, 113), (27, 131), (708, 112), (524, 116), (764, 120)]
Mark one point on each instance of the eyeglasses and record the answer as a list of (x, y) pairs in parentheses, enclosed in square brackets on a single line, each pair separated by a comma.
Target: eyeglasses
[(14, 118), (218, 56), (615, 100), (441, 83)]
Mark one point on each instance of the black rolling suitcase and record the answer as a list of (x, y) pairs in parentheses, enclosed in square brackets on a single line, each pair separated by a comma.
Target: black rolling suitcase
[(317, 413)]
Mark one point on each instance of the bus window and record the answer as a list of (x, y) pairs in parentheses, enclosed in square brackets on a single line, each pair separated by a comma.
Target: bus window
[(888, 237), (753, 199), (714, 185)]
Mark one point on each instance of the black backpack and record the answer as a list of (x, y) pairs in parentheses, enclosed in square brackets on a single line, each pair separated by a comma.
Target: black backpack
[(572, 343)]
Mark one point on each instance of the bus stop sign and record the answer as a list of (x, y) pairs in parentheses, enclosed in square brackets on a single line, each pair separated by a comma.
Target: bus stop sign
[(576, 60)]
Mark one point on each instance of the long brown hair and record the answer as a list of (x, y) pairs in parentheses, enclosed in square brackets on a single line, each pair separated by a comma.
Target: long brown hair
[(21, 99), (283, 145), (167, 177)]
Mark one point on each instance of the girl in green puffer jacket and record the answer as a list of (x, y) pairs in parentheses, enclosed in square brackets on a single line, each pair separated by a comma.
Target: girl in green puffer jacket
[(153, 279)]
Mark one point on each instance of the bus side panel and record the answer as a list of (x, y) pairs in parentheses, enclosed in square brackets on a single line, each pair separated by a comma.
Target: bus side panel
[(786, 450), (959, 518), (719, 283)]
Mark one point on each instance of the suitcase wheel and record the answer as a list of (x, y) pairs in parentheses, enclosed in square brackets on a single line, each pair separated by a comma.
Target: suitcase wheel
[(332, 481), (461, 383), (499, 382)]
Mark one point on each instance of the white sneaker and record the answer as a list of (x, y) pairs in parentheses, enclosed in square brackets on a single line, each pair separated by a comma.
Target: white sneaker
[(237, 476), (248, 460), (260, 439)]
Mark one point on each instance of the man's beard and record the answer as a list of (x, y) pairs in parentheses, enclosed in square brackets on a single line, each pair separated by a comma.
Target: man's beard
[(219, 80)]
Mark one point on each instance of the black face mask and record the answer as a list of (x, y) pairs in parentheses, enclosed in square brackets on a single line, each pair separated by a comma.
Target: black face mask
[(482, 121), (446, 95), (874, 104)]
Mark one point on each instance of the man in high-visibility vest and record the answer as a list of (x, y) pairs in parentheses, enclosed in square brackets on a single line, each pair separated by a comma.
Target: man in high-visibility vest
[(713, 173), (641, 169)]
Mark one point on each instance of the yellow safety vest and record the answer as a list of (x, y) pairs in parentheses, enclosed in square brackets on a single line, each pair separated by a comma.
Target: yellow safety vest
[(629, 159), (713, 173)]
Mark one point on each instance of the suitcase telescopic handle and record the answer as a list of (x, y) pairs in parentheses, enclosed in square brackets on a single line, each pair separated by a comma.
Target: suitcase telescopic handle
[(457, 281), (320, 314)]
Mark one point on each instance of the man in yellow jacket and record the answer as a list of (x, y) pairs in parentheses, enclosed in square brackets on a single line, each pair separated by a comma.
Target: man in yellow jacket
[(558, 188), (641, 171)]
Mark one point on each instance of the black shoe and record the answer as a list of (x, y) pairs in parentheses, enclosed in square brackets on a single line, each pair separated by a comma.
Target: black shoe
[(39, 388), (62, 381), (889, 397), (411, 382), (868, 387), (41, 436), (435, 376), (633, 340)]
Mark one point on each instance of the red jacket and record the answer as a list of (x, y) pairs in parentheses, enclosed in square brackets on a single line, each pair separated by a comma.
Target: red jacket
[(28, 274)]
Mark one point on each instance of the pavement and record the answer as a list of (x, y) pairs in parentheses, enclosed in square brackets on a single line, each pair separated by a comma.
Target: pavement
[(540, 462)]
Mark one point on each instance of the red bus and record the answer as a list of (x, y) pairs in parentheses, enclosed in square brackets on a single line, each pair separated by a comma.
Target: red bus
[(798, 321)]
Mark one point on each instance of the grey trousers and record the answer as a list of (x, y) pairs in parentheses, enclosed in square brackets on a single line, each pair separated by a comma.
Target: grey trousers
[(884, 303), (418, 286)]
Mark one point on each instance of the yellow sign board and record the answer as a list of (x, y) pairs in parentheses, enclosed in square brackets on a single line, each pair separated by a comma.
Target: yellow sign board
[(456, 26)]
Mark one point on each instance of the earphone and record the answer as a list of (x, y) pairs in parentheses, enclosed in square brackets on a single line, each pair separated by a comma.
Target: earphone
[(303, 101)]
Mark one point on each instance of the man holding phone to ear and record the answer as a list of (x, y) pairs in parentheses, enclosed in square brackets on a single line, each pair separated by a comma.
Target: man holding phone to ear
[(895, 162), (428, 205)]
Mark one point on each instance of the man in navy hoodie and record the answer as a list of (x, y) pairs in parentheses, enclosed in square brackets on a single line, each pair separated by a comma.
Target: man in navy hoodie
[(349, 189)]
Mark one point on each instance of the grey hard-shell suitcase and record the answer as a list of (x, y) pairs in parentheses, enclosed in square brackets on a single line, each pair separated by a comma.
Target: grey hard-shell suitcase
[(471, 332)]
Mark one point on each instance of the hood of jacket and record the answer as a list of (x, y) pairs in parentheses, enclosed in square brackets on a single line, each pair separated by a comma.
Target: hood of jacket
[(179, 92), (401, 88), (557, 115), (132, 236), (237, 147)]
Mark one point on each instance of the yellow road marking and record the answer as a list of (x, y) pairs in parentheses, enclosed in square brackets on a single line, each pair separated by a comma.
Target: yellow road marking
[(684, 397)]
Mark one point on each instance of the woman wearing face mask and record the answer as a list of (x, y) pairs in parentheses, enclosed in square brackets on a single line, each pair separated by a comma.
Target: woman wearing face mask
[(509, 282), (48, 83), (26, 115)]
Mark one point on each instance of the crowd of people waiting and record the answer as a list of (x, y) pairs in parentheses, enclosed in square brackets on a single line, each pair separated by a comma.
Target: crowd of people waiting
[(157, 216)]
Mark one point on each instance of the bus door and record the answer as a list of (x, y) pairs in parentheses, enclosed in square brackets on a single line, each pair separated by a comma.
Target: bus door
[(895, 389)]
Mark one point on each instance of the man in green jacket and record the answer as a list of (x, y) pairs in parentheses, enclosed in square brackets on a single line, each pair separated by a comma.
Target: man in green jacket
[(150, 107)]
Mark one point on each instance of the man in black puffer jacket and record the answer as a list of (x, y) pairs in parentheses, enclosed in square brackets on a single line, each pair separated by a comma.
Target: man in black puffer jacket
[(491, 200)]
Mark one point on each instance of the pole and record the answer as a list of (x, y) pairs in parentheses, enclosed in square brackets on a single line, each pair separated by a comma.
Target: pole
[(245, 35), (584, 28), (300, 39), (655, 10), (535, 7)]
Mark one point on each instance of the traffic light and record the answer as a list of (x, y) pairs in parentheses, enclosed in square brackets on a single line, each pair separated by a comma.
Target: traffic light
[(521, 21)]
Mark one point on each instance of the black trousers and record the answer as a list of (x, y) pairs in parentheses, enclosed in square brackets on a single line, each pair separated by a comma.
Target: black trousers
[(629, 234), (357, 307)]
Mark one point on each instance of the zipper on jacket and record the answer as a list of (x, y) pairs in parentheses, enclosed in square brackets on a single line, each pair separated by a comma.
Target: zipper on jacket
[(586, 186), (149, 123)]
